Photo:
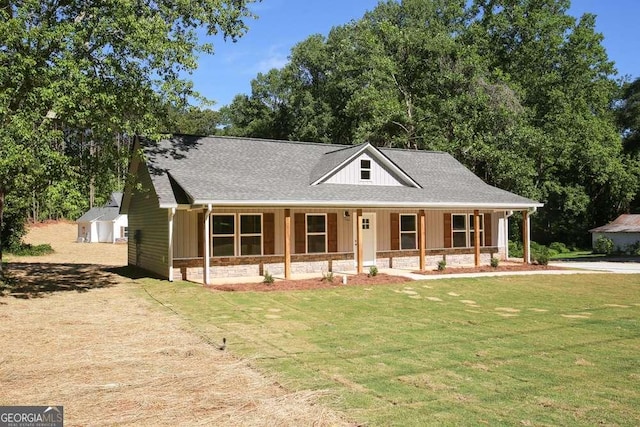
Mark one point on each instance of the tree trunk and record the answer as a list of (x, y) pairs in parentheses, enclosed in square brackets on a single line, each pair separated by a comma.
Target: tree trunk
[(92, 192), (1, 226)]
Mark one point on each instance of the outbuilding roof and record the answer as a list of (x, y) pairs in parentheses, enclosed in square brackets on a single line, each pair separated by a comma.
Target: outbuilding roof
[(625, 223), (100, 214), (229, 171)]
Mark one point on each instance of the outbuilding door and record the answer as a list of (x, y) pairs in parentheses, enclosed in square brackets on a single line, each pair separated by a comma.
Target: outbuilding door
[(368, 226)]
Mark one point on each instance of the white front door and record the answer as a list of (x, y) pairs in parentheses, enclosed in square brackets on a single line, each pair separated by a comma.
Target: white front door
[(368, 226)]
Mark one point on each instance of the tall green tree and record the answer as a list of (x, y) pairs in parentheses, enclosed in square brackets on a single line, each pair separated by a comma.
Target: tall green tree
[(192, 120), (629, 116), (518, 90), (99, 68), (564, 78)]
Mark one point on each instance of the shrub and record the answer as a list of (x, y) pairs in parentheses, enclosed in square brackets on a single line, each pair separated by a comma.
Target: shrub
[(327, 277), (604, 245), (495, 262), (632, 249), (442, 265), (515, 249), (373, 271), (26, 249), (268, 278), (559, 247), (542, 256)]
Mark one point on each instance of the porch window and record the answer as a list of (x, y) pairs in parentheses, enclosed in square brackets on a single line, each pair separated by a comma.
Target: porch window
[(223, 235), (365, 170), (124, 232), (462, 228), (316, 233), (251, 234), (408, 232)]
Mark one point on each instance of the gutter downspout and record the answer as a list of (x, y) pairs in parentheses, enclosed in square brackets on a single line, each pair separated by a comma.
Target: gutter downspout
[(207, 246), (172, 213)]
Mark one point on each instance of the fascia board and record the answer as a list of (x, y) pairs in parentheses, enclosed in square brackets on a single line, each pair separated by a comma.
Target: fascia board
[(364, 204)]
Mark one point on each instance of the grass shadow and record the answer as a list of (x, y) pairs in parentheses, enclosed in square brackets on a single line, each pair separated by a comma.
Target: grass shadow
[(33, 280), (132, 272)]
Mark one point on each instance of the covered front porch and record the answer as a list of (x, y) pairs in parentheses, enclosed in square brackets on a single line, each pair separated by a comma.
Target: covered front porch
[(208, 243)]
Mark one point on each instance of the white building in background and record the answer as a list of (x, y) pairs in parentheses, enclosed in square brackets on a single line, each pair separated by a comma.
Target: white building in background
[(105, 224)]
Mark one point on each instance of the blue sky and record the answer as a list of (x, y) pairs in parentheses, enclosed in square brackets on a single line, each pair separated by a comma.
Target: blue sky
[(283, 23)]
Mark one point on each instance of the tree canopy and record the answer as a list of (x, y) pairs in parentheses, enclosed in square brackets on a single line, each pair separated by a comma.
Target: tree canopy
[(80, 78), (518, 90)]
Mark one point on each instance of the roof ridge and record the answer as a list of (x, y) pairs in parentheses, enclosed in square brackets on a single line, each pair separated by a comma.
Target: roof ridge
[(343, 147), (277, 141), (298, 142), (413, 150)]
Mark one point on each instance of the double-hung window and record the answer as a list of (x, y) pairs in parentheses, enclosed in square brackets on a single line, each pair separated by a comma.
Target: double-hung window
[(223, 229), (365, 170), (408, 231), (462, 229), (316, 233), (250, 234), (227, 239)]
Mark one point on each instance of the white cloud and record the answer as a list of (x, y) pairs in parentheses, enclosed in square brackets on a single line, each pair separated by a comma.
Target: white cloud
[(274, 60)]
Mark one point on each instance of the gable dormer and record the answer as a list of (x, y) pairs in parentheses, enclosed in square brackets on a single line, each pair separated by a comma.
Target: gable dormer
[(360, 165)]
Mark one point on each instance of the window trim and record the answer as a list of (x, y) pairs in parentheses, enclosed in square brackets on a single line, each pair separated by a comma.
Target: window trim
[(237, 233), (241, 235), (363, 169), (213, 236), (414, 232), (469, 229), (307, 233)]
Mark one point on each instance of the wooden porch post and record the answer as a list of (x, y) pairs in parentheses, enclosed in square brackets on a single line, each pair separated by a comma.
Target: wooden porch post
[(525, 237), (359, 239), (476, 236), (422, 239), (287, 243), (207, 247)]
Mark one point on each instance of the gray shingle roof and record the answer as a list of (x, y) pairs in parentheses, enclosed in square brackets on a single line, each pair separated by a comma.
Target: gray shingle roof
[(100, 214), (625, 223), (332, 159), (228, 171)]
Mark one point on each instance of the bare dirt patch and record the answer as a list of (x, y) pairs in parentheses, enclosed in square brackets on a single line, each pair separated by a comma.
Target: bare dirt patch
[(61, 236), (111, 357)]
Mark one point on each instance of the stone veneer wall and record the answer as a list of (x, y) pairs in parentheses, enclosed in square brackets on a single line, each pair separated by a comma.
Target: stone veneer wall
[(409, 262)]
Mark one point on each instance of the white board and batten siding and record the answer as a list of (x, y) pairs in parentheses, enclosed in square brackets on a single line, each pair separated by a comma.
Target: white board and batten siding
[(350, 174), (152, 224), (185, 234), (186, 228)]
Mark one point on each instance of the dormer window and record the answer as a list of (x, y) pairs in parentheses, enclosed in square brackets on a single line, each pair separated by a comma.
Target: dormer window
[(365, 170)]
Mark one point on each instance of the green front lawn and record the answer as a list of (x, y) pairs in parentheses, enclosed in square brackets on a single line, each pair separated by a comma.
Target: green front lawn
[(536, 350)]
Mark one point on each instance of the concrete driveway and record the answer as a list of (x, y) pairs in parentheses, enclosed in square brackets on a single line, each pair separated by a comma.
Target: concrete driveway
[(612, 266)]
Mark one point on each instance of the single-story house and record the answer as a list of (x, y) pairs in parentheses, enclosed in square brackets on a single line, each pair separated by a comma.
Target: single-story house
[(217, 206), (104, 224), (623, 231)]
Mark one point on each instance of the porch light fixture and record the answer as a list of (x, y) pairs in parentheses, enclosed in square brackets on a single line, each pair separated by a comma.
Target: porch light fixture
[(347, 215)]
